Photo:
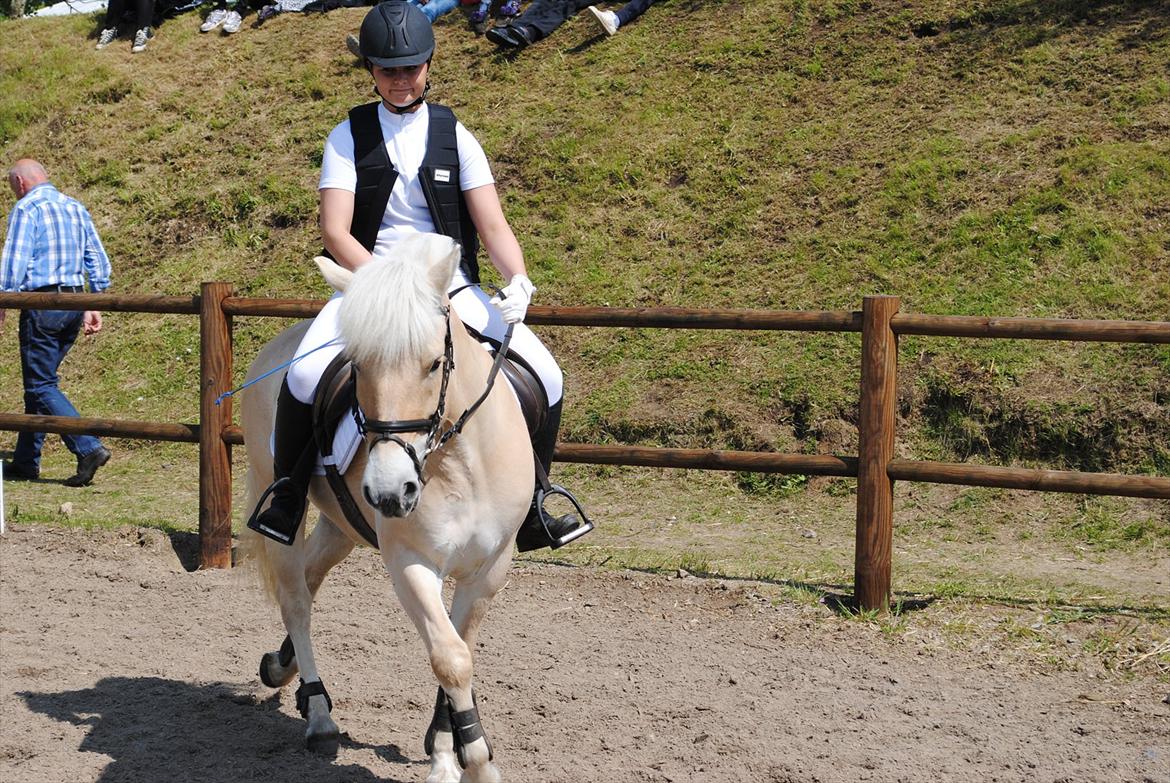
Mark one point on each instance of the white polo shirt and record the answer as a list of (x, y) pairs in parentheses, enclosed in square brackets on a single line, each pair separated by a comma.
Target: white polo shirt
[(406, 143)]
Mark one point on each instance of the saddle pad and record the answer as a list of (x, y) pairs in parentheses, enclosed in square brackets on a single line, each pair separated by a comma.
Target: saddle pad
[(347, 439), (345, 445)]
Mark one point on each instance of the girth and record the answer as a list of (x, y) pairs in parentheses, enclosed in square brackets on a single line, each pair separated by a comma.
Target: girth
[(334, 399)]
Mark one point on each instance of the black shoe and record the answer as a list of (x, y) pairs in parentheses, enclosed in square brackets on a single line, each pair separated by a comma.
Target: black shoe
[(87, 466), (502, 36), (283, 516), (533, 535), (508, 37), (522, 33), (13, 472)]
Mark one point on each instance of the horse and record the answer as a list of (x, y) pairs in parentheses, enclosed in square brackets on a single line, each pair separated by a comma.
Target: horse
[(444, 500)]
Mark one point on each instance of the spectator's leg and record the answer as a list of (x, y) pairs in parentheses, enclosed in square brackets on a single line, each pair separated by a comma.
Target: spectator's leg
[(437, 8), (632, 10), (45, 337), (144, 13), (544, 16)]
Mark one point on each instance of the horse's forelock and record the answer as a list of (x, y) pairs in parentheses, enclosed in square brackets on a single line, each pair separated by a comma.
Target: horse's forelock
[(391, 309)]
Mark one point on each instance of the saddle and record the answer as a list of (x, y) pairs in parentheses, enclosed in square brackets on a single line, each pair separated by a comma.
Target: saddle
[(334, 404)]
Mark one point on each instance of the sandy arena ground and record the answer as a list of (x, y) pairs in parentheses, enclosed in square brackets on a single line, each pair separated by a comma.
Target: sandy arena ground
[(118, 665)]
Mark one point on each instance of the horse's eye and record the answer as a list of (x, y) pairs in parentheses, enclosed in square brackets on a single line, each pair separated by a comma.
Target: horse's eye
[(435, 364)]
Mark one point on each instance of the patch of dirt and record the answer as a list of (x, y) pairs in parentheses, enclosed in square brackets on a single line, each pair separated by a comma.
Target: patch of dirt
[(120, 666)]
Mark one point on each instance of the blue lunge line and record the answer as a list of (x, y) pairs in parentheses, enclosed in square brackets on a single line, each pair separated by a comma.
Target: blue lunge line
[(277, 368)]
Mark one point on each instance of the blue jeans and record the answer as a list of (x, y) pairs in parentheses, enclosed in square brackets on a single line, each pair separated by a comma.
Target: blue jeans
[(45, 337), (436, 8)]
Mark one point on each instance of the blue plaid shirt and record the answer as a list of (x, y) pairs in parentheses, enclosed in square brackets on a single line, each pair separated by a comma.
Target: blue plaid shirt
[(52, 241)]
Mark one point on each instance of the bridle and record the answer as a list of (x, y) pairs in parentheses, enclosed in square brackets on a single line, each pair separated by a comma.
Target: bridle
[(382, 431)]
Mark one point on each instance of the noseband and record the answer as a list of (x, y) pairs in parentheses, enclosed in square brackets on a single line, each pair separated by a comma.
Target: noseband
[(379, 430)]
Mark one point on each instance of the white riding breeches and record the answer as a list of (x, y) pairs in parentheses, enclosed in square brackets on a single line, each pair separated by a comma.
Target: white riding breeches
[(471, 303)]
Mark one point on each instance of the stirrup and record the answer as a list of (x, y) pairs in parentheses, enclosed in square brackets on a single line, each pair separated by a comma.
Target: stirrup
[(584, 527), (279, 536)]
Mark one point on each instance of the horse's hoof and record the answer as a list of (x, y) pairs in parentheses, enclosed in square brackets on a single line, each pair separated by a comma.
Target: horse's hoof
[(324, 744), (269, 663)]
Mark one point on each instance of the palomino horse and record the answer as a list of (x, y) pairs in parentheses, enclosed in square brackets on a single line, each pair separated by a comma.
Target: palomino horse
[(441, 507)]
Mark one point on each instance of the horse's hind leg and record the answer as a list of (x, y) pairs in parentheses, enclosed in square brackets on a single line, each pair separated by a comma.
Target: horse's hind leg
[(298, 572)]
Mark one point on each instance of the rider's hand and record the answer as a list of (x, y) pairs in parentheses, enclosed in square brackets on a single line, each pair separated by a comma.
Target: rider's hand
[(514, 298)]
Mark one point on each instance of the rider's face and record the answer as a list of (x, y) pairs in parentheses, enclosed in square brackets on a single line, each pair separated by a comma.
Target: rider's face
[(401, 86)]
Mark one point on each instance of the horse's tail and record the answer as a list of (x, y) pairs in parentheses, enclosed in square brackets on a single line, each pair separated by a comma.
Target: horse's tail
[(253, 551)]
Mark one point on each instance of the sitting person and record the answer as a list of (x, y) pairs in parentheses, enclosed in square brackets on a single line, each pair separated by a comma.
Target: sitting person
[(230, 18), (611, 21), (143, 19), (479, 17), (538, 21)]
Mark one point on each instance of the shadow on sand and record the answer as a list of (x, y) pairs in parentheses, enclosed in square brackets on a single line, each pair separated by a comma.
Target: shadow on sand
[(163, 730)]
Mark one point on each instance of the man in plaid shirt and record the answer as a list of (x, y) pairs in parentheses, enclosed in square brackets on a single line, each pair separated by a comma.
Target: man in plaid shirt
[(52, 246)]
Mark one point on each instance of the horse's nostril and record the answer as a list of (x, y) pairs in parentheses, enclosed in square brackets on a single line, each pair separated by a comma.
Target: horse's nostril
[(409, 489)]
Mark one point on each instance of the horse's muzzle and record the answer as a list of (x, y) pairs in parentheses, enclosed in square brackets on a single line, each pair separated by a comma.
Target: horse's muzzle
[(390, 504)]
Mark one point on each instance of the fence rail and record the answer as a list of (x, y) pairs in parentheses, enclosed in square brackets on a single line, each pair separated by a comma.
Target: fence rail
[(875, 469)]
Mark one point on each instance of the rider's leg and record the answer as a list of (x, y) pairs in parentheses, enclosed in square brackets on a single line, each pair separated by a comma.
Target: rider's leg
[(473, 308), (293, 460), (294, 455), (533, 534)]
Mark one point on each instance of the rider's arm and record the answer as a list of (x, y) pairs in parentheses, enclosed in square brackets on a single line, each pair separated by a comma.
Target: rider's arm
[(336, 216), (494, 232)]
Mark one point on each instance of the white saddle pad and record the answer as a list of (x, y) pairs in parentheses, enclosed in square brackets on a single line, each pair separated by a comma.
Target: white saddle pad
[(345, 445)]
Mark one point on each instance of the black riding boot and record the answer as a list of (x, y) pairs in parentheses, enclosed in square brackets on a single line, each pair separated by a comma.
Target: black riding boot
[(292, 463), (533, 533)]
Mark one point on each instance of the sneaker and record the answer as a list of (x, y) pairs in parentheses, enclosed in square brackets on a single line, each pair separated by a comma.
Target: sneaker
[(140, 39), (107, 37), (509, 9), (479, 20), (354, 45), (213, 20), (232, 22), (607, 19)]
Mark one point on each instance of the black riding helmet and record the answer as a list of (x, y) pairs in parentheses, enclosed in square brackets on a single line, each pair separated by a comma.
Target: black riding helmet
[(396, 34)]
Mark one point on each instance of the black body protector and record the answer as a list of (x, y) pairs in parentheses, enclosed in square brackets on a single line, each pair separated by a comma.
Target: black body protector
[(438, 174), (439, 177)]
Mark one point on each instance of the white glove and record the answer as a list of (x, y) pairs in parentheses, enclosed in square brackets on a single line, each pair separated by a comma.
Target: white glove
[(514, 298)]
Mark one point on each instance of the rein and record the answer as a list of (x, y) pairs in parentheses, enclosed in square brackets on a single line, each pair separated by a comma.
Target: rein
[(383, 430)]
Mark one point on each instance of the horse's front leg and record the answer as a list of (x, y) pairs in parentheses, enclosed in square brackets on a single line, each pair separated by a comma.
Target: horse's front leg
[(298, 572), (458, 748)]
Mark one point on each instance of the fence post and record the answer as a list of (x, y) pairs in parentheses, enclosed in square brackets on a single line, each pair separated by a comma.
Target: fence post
[(875, 489), (215, 468)]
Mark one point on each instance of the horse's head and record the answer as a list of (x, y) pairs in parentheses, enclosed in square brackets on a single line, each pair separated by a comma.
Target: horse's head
[(395, 325)]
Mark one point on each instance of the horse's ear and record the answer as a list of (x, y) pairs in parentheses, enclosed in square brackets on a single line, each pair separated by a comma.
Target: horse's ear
[(443, 271), (334, 273)]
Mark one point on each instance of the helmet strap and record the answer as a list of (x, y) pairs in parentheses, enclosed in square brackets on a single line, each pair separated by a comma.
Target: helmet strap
[(408, 107)]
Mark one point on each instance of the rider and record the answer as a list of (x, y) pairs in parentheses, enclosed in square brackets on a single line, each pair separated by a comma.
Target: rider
[(438, 180)]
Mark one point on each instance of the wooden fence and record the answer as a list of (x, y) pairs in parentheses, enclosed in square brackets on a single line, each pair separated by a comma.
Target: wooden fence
[(874, 467)]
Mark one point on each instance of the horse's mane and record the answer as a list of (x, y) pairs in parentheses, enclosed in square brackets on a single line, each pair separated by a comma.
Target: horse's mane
[(392, 307)]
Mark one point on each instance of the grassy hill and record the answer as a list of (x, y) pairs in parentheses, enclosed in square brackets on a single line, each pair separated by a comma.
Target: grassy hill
[(993, 157)]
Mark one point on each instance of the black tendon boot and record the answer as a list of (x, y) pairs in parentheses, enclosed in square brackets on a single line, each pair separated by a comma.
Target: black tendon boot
[(293, 468), (541, 529)]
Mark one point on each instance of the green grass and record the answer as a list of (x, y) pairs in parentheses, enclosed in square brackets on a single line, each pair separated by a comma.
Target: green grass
[(979, 157)]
